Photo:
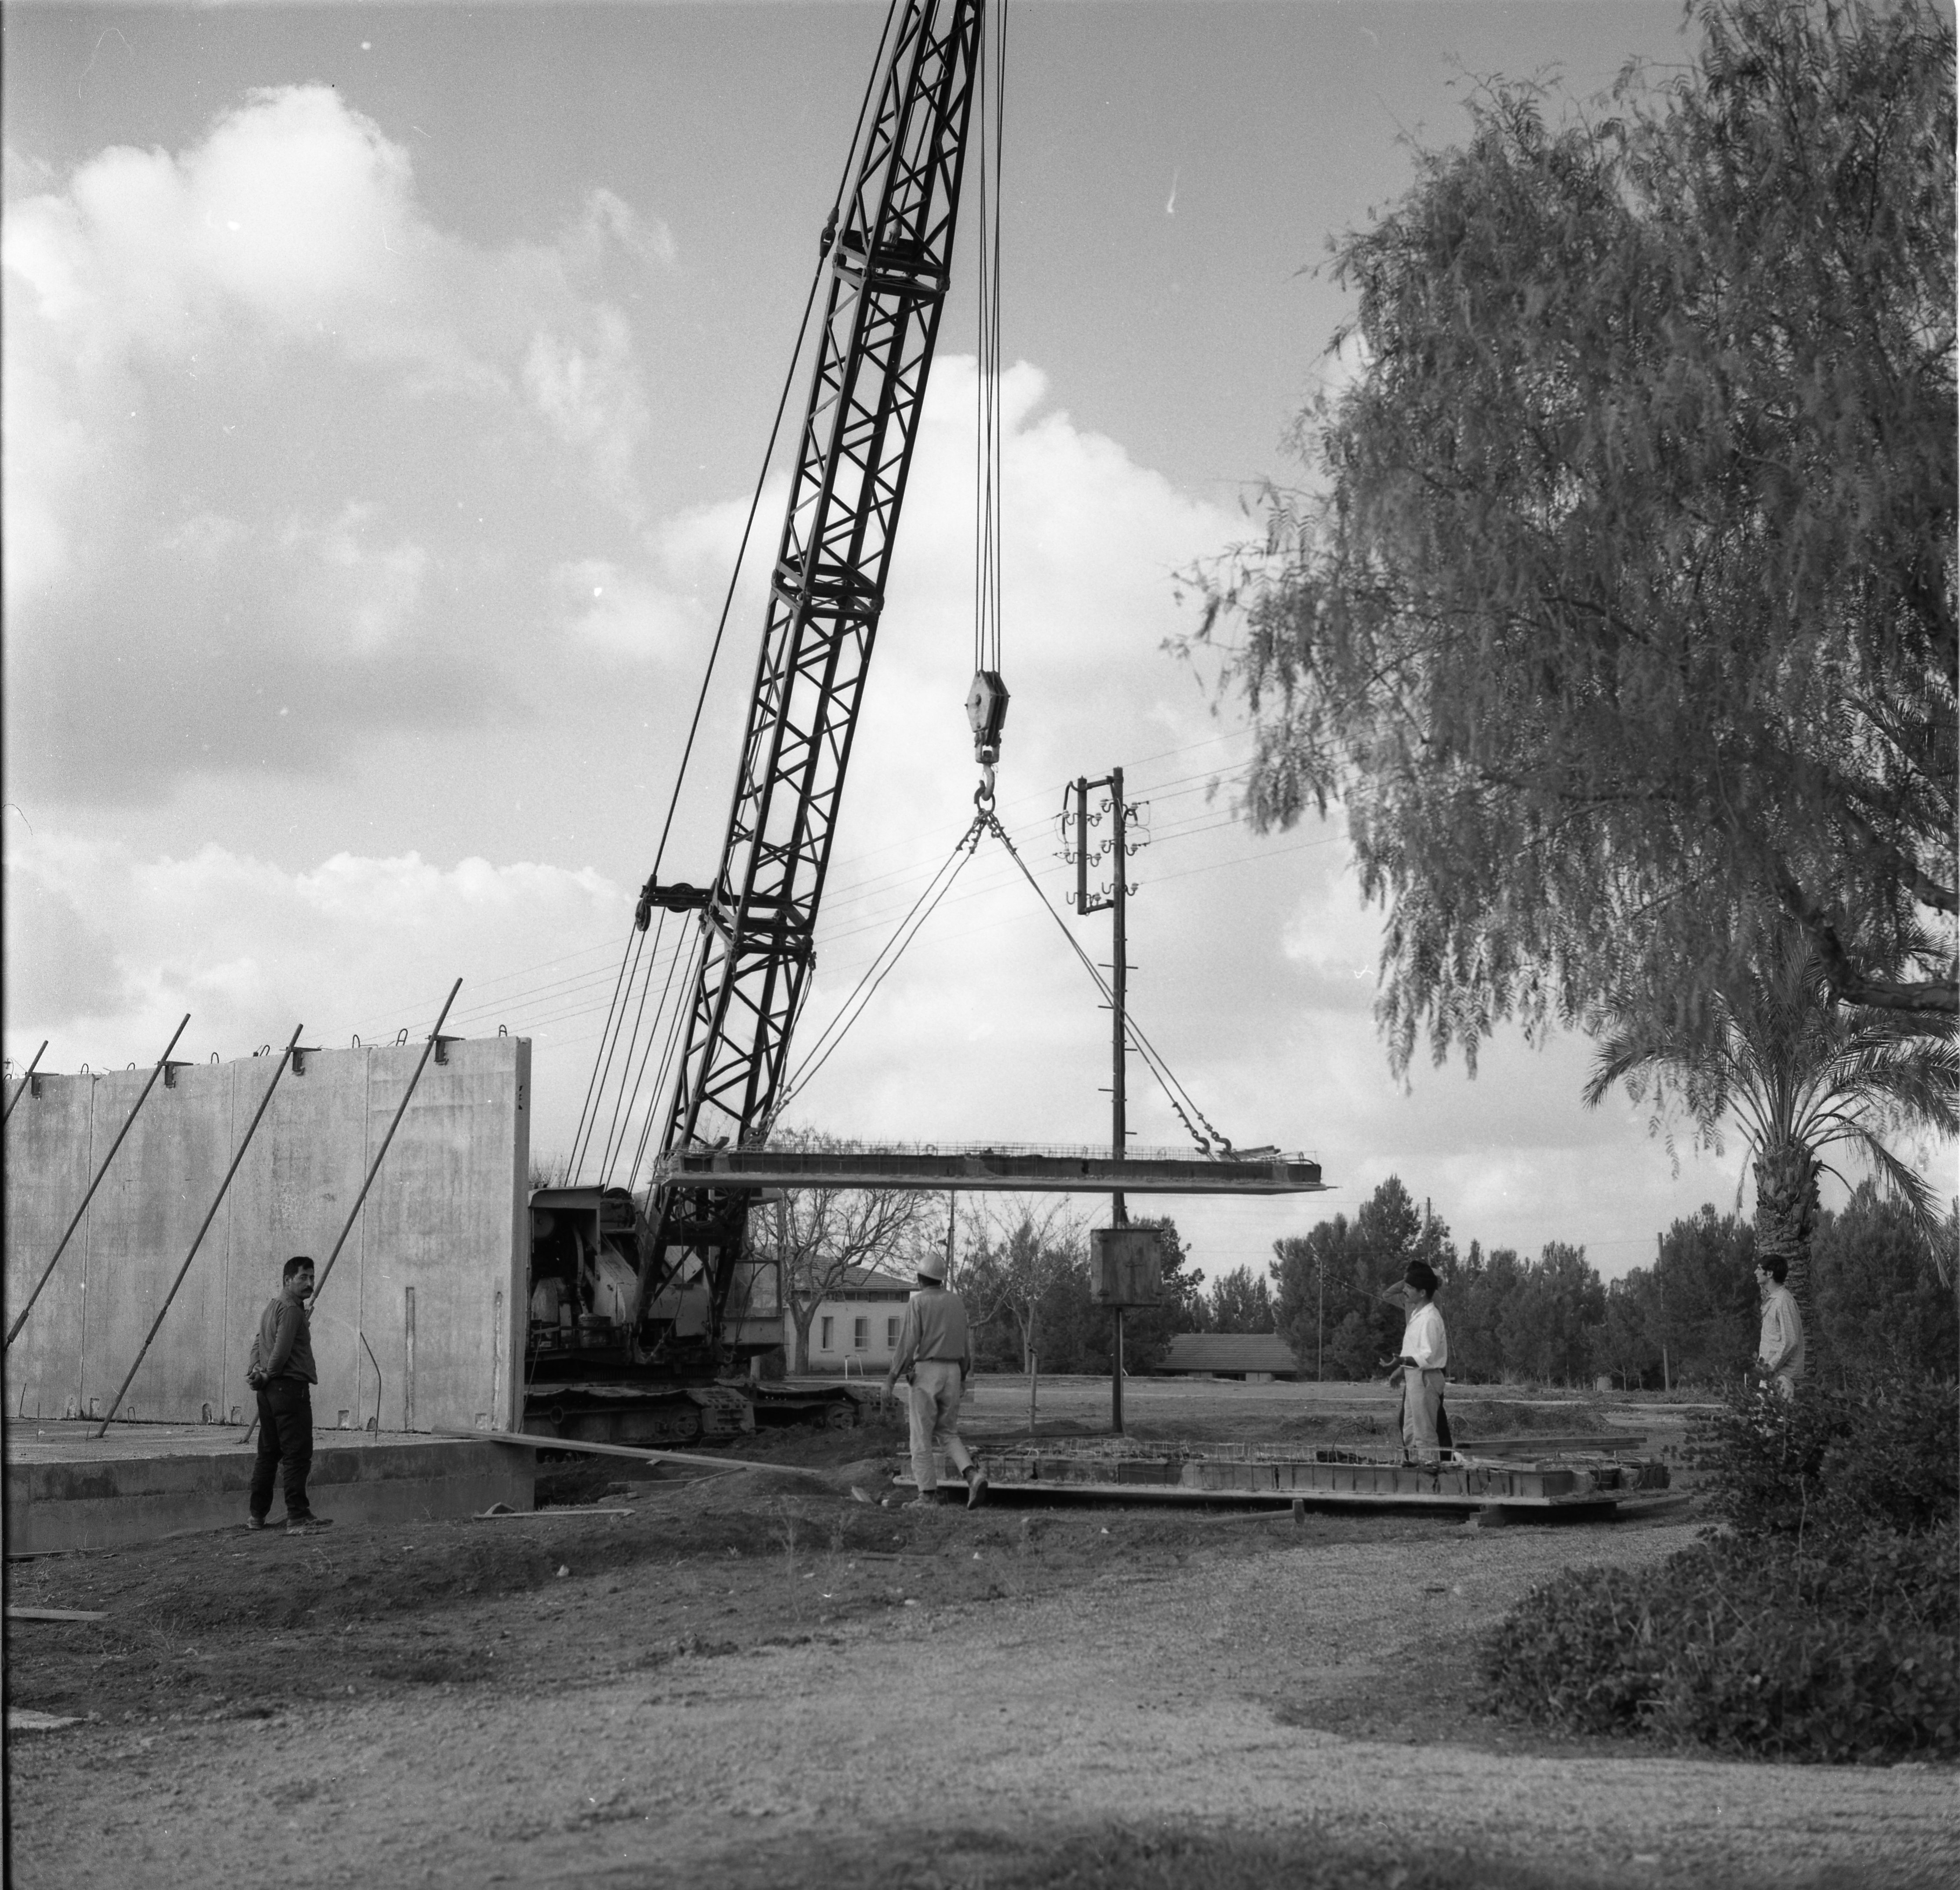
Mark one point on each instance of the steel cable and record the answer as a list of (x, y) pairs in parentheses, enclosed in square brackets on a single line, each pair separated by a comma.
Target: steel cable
[(1152, 1061), (844, 1017)]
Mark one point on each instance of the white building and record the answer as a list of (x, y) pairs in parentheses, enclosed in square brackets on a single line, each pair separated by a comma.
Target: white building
[(855, 1328)]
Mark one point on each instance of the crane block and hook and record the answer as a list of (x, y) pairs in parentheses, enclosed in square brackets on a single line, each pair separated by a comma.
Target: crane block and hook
[(987, 712)]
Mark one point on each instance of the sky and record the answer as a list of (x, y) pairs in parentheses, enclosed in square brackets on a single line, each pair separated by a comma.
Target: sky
[(385, 389)]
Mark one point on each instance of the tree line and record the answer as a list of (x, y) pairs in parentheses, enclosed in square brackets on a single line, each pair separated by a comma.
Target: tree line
[(1880, 1282)]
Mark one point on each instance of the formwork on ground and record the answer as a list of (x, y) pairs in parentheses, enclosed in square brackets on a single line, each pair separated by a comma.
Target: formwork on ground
[(1474, 1479)]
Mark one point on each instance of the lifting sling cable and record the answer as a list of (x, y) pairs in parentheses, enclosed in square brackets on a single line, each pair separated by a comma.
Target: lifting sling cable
[(1210, 1140), (1173, 1089), (833, 1032), (593, 1099)]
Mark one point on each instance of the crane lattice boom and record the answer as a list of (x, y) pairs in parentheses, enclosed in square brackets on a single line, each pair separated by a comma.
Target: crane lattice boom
[(889, 266)]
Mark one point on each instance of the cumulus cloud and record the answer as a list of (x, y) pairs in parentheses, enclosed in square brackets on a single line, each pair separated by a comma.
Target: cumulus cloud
[(665, 597), (352, 945), (264, 417), (61, 969)]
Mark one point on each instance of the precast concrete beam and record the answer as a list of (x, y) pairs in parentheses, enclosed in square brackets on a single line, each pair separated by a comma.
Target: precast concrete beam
[(1017, 1171)]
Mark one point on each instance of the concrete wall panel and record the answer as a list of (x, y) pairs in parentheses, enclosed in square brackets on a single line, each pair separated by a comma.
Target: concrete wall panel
[(293, 1192), (140, 1228), (445, 1221), (51, 1154)]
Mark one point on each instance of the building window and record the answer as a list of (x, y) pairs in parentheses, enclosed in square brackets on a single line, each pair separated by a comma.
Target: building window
[(892, 1335), (823, 1340), (861, 1334)]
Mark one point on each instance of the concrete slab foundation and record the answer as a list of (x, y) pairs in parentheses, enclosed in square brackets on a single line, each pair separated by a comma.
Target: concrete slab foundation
[(66, 1491)]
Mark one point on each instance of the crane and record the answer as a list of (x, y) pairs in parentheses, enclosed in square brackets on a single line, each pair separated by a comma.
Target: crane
[(887, 261), (635, 1315)]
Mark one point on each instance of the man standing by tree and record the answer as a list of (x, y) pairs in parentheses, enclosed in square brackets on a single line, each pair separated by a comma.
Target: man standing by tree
[(934, 1342), (1424, 1357), (1779, 1350)]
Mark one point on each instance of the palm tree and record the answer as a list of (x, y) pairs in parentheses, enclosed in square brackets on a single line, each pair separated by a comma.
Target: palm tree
[(1802, 1075)]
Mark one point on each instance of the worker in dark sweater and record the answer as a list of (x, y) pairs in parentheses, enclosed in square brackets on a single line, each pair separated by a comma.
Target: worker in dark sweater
[(282, 1371)]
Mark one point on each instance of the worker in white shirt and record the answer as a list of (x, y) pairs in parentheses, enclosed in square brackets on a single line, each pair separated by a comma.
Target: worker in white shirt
[(1404, 1296), (1780, 1347), (1425, 1358), (936, 1352)]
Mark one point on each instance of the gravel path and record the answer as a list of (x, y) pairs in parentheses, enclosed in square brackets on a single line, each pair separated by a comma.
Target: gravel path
[(1179, 1701)]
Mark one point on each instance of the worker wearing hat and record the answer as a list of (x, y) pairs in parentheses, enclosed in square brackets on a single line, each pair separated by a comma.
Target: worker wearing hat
[(1425, 1357), (936, 1352)]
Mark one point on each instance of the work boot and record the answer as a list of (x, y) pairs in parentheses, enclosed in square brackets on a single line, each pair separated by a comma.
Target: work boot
[(976, 1486), (256, 1522), (301, 1525)]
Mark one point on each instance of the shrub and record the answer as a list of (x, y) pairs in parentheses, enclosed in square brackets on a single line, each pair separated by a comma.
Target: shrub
[(1825, 1625), (1883, 1453), (1745, 1644)]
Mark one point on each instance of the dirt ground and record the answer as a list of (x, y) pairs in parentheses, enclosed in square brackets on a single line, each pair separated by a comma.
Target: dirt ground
[(753, 1679)]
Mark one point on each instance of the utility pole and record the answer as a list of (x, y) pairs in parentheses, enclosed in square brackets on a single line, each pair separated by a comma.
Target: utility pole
[(1117, 849), (1660, 1288)]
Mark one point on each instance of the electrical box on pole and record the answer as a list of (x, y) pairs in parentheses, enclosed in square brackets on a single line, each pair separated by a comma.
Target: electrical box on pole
[(1126, 1266)]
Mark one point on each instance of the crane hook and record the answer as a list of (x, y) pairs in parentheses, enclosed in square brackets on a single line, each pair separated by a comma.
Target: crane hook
[(987, 714)]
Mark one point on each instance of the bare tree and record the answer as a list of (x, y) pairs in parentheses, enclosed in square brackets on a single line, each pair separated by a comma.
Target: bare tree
[(1027, 1244), (819, 1234), (550, 1171)]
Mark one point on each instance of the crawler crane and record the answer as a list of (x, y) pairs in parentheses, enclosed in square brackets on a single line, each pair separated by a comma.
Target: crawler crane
[(635, 1313), (642, 1313)]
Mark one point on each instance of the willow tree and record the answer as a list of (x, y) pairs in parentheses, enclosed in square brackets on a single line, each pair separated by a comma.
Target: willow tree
[(1619, 611)]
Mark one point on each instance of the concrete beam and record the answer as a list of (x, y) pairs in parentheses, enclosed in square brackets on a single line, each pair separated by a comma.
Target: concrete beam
[(984, 1170)]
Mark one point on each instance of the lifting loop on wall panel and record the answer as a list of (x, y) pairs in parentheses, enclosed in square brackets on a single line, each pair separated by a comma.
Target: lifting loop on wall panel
[(435, 1037), (26, 1079)]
